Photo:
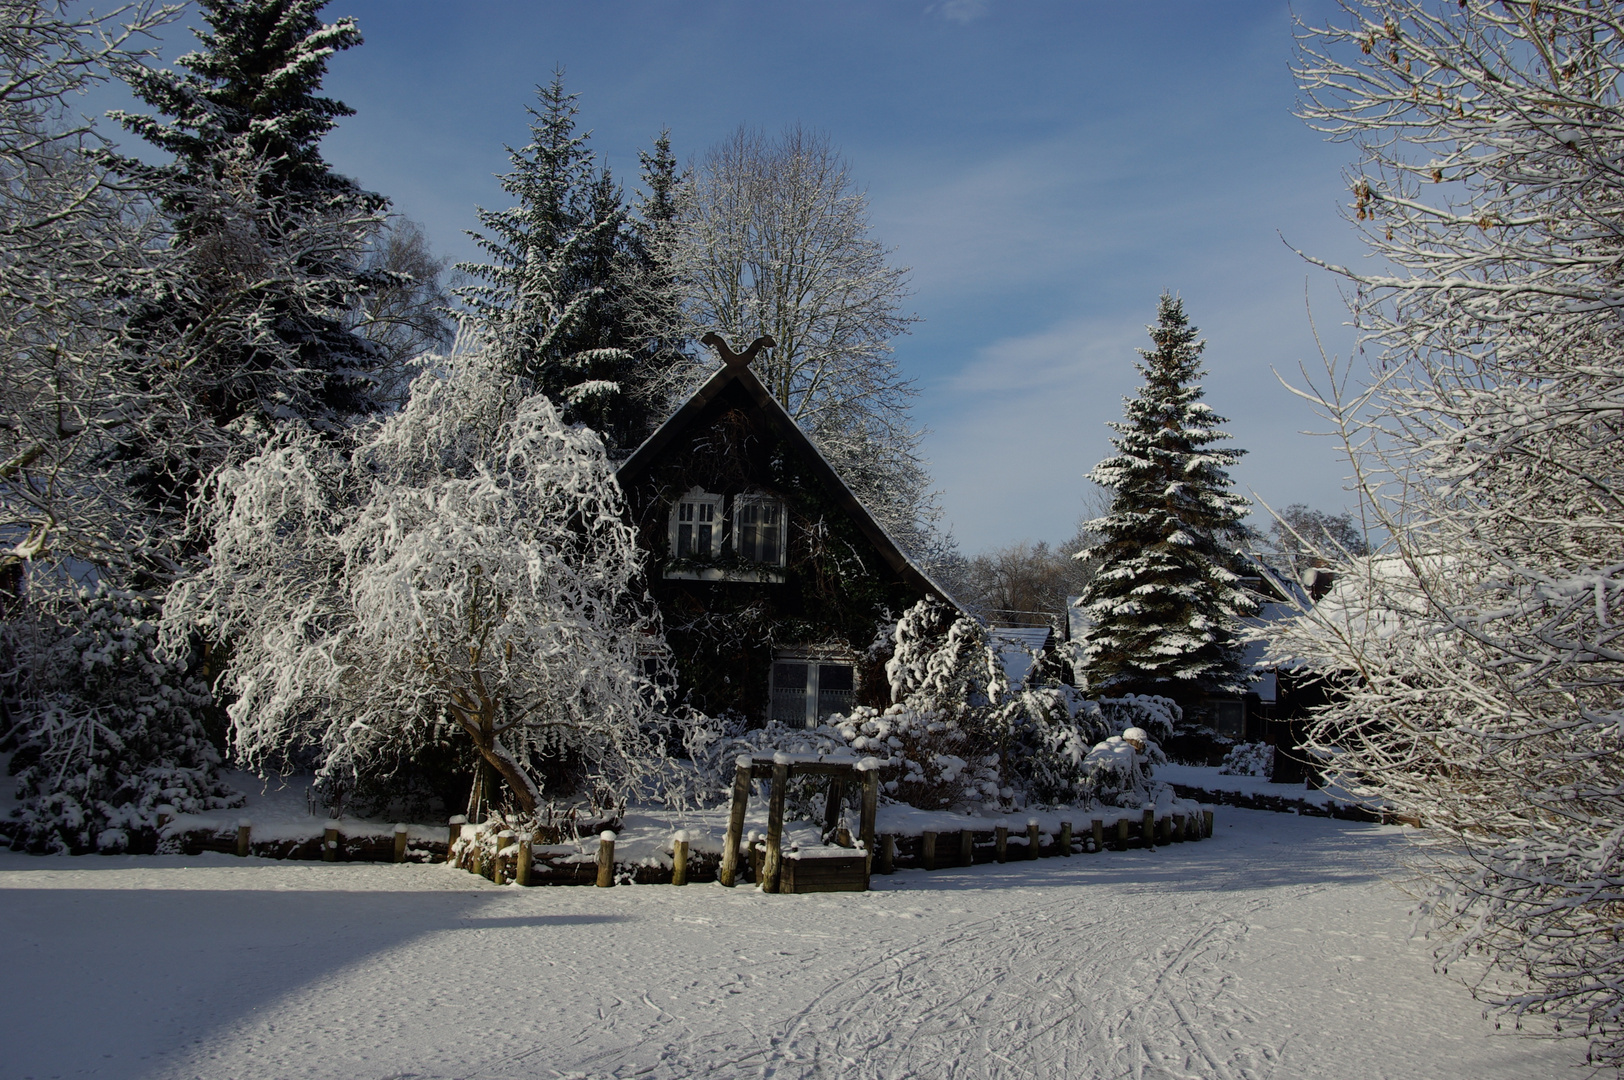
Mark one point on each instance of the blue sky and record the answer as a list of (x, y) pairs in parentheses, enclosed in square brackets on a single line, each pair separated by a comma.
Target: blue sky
[(1046, 168)]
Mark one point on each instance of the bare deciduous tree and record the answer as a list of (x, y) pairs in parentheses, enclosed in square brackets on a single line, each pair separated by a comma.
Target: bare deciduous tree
[(773, 238), (1479, 652)]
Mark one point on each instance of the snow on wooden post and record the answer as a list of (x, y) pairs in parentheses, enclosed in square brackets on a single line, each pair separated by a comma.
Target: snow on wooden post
[(1032, 838), (1065, 838), (679, 858), (869, 769), (402, 834), (1122, 834), (329, 844), (1098, 828), (1147, 828), (453, 830), (1178, 828), (606, 859), (774, 858), (1000, 842), (504, 861), (1206, 822), (526, 858), (244, 834), (735, 821), (888, 854), (967, 847), (927, 850)]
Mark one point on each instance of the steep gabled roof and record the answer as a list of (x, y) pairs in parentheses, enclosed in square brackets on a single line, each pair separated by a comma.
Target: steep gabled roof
[(736, 370)]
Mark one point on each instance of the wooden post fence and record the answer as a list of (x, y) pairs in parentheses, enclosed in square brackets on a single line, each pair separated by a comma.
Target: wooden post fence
[(967, 847), (888, 854), (329, 844), (402, 834), (735, 821), (1065, 838), (1000, 843), (526, 857), (772, 862), (1098, 829), (606, 859), (1147, 827), (1032, 838), (679, 858), (244, 837)]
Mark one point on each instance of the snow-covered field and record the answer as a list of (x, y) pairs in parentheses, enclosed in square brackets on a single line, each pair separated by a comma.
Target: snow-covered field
[(1275, 950)]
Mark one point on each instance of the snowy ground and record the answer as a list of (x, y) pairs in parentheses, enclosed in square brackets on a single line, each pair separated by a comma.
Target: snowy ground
[(1273, 950)]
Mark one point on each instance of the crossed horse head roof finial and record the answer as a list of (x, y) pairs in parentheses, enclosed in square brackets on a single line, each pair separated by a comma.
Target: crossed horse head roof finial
[(729, 357)]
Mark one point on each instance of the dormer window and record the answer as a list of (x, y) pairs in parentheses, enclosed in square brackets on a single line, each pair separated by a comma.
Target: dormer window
[(758, 529), (696, 525)]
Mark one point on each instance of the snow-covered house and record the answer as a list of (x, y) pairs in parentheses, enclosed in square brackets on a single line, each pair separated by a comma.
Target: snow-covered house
[(771, 577)]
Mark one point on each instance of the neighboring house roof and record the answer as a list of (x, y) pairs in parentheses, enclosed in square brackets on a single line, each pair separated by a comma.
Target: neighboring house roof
[(736, 370), (1017, 649)]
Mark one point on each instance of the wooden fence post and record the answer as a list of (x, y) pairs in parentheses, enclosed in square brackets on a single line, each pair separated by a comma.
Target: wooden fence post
[(504, 840), (1065, 838), (679, 858), (831, 808), (1032, 838), (244, 835), (1098, 829), (1147, 828), (888, 854), (454, 830), (329, 844), (1000, 842), (773, 859), (526, 858), (1178, 828), (927, 850), (869, 768), (1122, 834), (402, 834), (1206, 822), (735, 821), (967, 848), (606, 859)]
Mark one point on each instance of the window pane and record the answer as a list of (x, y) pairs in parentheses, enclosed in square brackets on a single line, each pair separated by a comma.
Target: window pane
[(685, 539), (770, 552), (834, 677), (702, 547), (835, 684), (789, 693)]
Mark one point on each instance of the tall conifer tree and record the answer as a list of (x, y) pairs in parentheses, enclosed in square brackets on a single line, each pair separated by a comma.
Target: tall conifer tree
[(557, 296), (1167, 595), (259, 219)]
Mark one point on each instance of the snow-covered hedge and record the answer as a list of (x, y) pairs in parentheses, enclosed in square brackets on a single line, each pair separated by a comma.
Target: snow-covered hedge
[(108, 733), (1248, 759)]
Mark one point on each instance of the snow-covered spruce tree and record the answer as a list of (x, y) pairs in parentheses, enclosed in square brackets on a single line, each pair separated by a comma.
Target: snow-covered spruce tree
[(107, 730), (562, 299), (1479, 655), (774, 239), (266, 236), (467, 558), (1165, 600)]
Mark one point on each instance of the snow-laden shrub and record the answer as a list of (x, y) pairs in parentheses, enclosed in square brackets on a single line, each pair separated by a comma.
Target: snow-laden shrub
[(1046, 733), (1156, 715), (1248, 759), (1118, 774), (466, 559), (932, 761), (107, 730)]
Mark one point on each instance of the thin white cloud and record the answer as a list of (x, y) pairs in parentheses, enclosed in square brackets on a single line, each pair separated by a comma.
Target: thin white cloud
[(960, 11)]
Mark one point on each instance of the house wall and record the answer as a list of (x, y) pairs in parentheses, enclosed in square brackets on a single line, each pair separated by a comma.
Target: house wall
[(837, 588)]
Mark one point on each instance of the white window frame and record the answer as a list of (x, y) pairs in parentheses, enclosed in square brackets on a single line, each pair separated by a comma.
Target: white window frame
[(810, 716), (701, 501), (756, 499)]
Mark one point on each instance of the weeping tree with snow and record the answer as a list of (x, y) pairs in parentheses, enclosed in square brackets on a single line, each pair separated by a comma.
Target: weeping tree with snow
[(1479, 656), (467, 559), (1167, 596)]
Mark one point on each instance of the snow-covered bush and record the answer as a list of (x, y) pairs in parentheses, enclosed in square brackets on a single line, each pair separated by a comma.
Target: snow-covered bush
[(107, 731), (467, 558), (1248, 759), (1157, 715)]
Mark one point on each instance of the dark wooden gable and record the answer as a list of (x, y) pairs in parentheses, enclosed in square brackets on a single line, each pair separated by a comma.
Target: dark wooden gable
[(842, 574)]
